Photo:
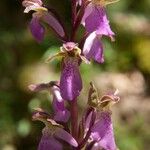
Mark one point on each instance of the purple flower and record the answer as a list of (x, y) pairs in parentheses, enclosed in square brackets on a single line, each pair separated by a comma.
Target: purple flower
[(70, 81), (53, 133), (96, 23), (102, 132), (93, 48), (61, 114), (95, 20), (40, 15), (102, 135)]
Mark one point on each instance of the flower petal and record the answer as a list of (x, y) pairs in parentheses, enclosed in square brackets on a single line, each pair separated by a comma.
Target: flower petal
[(53, 23), (102, 132), (62, 116), (62, 134), (93, 48), (87, 12), (90, 119), (37, 29), (95, 19), (70, 82), (48, 142), (57, 96), (61, 113)]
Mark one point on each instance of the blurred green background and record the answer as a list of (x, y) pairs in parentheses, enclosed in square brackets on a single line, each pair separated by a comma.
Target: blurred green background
[(126, 67)]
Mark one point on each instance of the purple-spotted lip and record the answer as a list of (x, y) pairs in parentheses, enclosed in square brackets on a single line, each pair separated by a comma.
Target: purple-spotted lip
[(69, 46)]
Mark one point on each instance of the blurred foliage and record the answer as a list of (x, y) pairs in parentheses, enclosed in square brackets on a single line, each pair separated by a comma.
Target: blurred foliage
[(22, 63)]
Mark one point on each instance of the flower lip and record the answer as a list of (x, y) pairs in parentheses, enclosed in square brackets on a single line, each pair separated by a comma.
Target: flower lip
[(70, 82)]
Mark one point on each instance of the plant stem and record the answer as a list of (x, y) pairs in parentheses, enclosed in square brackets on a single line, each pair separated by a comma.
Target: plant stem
[(73, 18), (73, 7), (74, 118)]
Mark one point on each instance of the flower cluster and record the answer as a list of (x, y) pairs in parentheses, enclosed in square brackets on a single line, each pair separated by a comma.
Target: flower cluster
[(62, 129)]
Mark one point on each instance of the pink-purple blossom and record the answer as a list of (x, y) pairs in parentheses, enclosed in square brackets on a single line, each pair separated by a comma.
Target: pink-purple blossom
[(102, 135), (70, 80), (95, 20), (52, 133), (42, 15), (61, 114)]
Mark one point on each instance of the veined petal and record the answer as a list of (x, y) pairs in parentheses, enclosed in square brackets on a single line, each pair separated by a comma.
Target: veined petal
[(37, 29), (102, 132), (70, 82), (62, 134), (48, 142), (93, 48)]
